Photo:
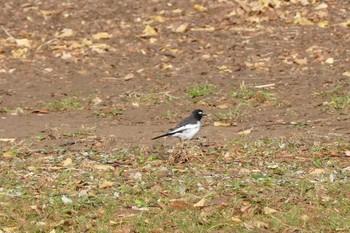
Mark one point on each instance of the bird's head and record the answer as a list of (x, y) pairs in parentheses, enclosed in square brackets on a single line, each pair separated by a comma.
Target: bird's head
[(198, 114)]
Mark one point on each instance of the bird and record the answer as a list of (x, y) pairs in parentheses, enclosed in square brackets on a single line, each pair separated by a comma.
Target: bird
[(187, 128)]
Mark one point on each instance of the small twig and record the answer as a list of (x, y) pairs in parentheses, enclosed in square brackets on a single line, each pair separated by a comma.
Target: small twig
[(7, 33)]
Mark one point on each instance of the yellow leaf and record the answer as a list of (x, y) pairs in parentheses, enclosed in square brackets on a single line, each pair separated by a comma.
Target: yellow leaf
[(330, 60), (20, 53), (221, 124), (268, 210), (149, 31), (177, 11), (7, 139), (344, 24), (158, 18), (47, 13), (224, 69), (346, 73), (67, 163), (103, 167), (245, 132), (66, 32), (199, 7), (207, 28), (10, 229), (323, 24), (303, 21), (24, 42), (180, 29), (317, 171), (8, 154), (222, 106), (106, 184), (321, 6), (202, 203), (300, 61), (236, 219), (101, 35)]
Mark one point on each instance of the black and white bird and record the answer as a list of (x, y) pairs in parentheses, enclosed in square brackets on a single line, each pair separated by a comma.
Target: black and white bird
[(187, 128)]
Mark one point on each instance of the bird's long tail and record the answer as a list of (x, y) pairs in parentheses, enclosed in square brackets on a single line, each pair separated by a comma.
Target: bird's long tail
[(164, 135)]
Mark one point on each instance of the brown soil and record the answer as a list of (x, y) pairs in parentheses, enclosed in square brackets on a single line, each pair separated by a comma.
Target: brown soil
[(133, 73)]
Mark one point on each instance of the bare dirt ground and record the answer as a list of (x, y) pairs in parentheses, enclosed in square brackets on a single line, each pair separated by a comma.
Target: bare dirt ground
[(116, 73), (132, 71)]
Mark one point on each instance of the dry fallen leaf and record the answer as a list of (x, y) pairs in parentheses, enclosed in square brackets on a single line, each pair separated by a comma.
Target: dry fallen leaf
[(179, 204), (222, 106), (202, 203), (19, 53), (224, 69), (330, 60), (24, 42), (323, 24), (321, 6), (9, 229), (101, 35), (103, 167), (106, 184), (158, 18), (67, 162), (303, 21), (236, 219), (66, 32), (268, 210), (8, 154), (245, 132), (7, 139), (317, 171), (149, 31), (180, 28), (221, 124), (199, 7), (346, 73)]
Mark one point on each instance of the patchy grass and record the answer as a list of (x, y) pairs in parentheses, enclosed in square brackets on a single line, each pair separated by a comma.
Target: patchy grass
[(339, 97), (262, 185), (231, 115), (69, 103), (17, 111), (202, 90), (108, 113), (252, 95)]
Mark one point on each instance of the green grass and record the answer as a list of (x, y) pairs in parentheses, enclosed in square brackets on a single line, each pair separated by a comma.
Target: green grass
[(148, 193), (339, 97), (202, 90), (108, 113), (69, 103), (231, 115), (248, 95)]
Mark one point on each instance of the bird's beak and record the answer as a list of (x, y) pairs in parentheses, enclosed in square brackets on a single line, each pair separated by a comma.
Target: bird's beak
[(204, 114)]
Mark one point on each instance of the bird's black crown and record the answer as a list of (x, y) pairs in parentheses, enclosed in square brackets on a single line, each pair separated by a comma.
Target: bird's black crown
[(198, 114)]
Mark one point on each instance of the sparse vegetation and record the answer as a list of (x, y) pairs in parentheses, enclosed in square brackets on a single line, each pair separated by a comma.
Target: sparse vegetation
[(69, 103), (84, 86), (236, 194), (339, 97), (247, 94), (202, 90)]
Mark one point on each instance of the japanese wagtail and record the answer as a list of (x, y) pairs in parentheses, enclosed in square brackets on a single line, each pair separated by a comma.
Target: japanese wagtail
[(187, 128)]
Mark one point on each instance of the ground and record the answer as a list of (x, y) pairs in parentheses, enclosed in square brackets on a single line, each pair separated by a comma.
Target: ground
[(85, 85)]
